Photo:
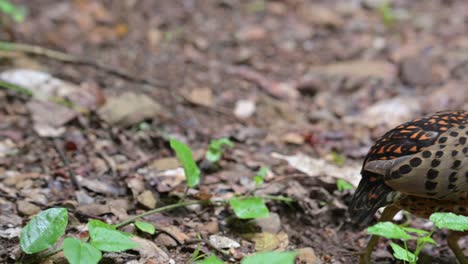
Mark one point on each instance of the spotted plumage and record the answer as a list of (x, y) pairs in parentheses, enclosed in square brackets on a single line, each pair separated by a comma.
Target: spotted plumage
[(425, 158), (420, 166)]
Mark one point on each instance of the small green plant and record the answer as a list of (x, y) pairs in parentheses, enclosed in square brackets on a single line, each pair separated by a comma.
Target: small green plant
[(339, 159), (390, 230), (217, 148), (272, 257), (248, 208), (17, 13), (211, 260), (259, 178), (184, 154), (45, 229), (387, 14), (145, 227), (343, 185)]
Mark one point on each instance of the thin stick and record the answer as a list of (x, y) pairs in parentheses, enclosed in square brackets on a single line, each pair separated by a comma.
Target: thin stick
[(161, 209), (15, 87), (67, 58), (67, 165)]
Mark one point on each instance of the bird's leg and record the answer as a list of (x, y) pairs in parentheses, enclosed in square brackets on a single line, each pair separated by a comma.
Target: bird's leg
[(387, 215), (452, 241)]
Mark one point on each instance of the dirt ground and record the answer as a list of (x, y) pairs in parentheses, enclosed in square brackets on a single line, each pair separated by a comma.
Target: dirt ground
[(320, 78)]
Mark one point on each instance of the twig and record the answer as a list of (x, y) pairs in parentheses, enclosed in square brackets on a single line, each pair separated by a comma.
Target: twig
[(67, 58), (67, 165), (15, 87), (138, 164), (164, 208), (269, 86), (36, 258)]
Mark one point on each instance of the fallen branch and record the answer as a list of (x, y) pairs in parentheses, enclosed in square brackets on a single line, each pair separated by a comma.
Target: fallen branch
[(68, 58)]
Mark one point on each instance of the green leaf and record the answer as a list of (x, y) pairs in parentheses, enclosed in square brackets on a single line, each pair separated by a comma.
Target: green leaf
[(184, 154), (80, 252), (427, 239), (342, 185), (450, 221), (18, 13), (247, 208), (260, 176), (216, 149), (210, 260), (106, 238), (387, 14), (402, 254), (273, 257), (388, 230), (339, 159), (415, 230), (145, 227), (44, 230)]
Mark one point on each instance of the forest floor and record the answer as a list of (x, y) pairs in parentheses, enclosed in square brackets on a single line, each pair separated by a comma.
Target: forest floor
[(321, 79)]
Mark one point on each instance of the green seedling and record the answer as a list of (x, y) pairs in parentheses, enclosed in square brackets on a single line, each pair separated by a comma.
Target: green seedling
[(272, 257), (145, 227), (184, 154), (387, 14), (17, 13), (259, 178), (343, 185), (248, 208), (216, 149), (210, 260), (339, 159), (392, 231), (44, 230)]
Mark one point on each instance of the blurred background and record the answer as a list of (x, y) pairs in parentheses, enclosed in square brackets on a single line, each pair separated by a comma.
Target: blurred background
[(321, 78)]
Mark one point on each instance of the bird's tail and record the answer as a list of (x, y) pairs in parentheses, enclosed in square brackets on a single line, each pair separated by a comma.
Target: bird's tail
[(371, 194)]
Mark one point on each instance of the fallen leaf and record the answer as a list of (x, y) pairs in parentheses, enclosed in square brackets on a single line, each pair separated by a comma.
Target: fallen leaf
[(319, 167), (149, 251), (360, 69), (201, 96), (147, 199), (129, 109)]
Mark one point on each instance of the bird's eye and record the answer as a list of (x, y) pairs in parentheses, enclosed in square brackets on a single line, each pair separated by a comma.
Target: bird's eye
[(431, 134)]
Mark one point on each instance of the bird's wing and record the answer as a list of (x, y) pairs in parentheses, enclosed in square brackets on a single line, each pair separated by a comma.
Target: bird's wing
[(439, 171)]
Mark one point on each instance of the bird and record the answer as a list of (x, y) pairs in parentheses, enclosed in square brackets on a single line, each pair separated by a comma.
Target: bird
[(421, 167)]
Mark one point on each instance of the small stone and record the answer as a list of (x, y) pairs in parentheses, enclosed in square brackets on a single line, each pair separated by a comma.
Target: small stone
[(165, 164), (201, 96), (416, 71), (307, 256), (221, 242), (27, 208), (129, 109), (293, 138), (271, 224), (166, 241), (321, 15), (210, 227), (253, 33), (147, 199), (244, 108)]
